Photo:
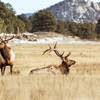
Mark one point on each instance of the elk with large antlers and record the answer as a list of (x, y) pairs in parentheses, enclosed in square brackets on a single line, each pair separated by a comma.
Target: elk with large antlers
[(66, 62), (7, 55)]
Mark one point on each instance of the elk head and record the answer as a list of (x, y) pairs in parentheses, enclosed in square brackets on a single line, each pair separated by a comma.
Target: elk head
[(7, 55), (66, 62), (4, 40)]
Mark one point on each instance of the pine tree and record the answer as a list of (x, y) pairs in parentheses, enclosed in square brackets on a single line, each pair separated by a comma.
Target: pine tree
[(43, 21), (98, 27)]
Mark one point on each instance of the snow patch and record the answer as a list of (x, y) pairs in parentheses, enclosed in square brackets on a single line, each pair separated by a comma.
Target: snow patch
[(60, 40)]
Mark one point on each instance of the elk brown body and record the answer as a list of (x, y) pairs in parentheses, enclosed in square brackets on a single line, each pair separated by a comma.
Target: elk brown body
[(66, 62), (7, 56)]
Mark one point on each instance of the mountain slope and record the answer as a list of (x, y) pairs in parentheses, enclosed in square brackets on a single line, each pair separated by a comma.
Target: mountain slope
[(76, 10)]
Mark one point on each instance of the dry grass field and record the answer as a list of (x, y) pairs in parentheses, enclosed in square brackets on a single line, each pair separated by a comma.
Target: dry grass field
[(82, 83)]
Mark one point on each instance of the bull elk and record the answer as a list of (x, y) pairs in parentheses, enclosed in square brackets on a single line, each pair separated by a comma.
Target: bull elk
[(7, 55), (66, 62)]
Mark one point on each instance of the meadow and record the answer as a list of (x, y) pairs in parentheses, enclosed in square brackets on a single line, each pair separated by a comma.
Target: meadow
[(82, 83)]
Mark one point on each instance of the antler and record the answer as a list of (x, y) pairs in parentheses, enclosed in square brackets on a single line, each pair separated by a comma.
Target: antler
[(58, 54), (68, 55), (4, 38), (1, 38), (47, 50), (61, 55), (9, 38), (50, 49), (55, 45)]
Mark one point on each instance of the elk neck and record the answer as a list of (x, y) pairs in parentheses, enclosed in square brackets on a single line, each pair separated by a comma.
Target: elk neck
[(64, 63), (4, 50)]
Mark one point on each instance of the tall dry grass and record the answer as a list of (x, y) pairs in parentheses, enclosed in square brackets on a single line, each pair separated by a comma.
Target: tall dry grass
[(82, 83)]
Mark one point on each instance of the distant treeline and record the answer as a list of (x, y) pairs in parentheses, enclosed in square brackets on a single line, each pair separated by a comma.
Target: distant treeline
[(82, 30), (44, 21)]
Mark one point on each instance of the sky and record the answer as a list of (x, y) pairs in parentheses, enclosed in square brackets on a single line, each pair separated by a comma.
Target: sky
[(30, 6)]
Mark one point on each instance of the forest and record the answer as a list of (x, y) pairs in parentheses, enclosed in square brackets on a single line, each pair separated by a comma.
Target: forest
[(44, 21)]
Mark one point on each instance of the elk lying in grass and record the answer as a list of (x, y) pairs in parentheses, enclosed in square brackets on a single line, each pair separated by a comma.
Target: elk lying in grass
[(63, 67), (66, 62), (7, 55)]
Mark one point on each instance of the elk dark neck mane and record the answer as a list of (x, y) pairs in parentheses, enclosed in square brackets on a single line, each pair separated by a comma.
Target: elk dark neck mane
[(64, 64), (5, 53), (64, 68)]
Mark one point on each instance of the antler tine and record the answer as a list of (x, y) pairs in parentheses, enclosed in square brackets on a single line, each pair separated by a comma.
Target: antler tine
[(49, 46), (47, 50), (4, 36), (62, 53), (68, 54), (52, 49), (1, 38), (58, 54), (10, 38), (55, 45)]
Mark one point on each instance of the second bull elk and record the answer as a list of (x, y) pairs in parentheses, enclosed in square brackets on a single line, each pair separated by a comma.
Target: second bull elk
[(66, 62), (7, 55)]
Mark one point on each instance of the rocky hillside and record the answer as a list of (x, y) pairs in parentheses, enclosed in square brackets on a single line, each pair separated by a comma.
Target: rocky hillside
[(76, 10)]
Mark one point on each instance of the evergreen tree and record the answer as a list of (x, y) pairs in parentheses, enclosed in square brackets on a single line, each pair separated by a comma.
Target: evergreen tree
[(27, 22), (43, 21), (98, 28), (7, 15), (60, 27)]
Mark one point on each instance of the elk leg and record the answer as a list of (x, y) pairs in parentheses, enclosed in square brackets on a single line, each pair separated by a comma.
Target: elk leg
[(3, 70), (11, 67)]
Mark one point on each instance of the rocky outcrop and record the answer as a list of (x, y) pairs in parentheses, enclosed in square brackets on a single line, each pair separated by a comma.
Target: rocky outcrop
[(76, 10)]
